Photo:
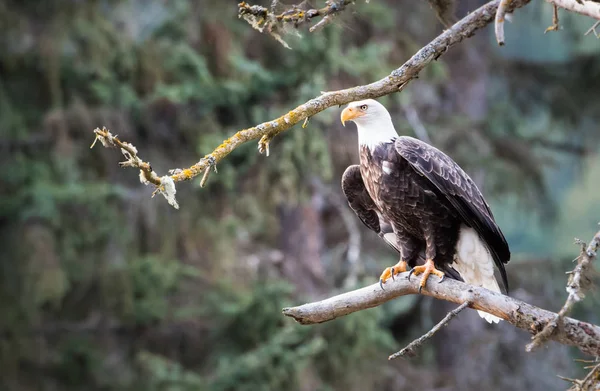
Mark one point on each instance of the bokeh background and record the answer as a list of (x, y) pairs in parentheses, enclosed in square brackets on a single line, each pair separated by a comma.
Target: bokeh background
[(105, 288)]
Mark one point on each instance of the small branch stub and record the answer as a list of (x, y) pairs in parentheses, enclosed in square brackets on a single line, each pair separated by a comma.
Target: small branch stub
[(499, 21), (212, 164), (554, 26), (263, 144)]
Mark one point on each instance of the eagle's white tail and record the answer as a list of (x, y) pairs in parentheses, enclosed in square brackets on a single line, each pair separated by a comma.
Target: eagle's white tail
[(475, 264)]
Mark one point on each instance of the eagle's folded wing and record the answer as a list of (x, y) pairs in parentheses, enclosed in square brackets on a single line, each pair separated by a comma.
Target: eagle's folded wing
[(459, 189)]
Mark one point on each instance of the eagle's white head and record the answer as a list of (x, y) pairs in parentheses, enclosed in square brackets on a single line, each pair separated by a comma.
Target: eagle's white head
[(372, 120)]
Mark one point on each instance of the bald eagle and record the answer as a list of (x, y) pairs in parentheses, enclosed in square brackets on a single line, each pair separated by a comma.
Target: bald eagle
[(419, 201)]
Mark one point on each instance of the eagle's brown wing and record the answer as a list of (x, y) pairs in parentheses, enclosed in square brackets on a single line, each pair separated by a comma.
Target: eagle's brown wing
[(362, 204), (453, 184)]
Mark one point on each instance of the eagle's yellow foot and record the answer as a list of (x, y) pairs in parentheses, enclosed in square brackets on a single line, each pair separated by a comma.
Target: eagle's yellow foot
[(426, 270), (389, 272)]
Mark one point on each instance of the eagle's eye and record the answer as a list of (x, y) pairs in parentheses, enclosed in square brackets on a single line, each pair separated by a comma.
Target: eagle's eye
[(363, 107)]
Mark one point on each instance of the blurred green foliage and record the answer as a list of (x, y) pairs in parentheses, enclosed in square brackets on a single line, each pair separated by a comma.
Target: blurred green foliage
[(103, 288)]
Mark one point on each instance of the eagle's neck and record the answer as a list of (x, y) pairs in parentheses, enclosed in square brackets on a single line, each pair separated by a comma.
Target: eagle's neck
[(376, 132)]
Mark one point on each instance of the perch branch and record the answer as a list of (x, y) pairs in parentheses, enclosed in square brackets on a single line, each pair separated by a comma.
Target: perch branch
[(588, 8), (409, 350), (584, 336), (394, 82), (577, 284)]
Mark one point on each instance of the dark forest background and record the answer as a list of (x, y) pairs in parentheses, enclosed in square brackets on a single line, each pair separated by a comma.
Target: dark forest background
[(105, 288)]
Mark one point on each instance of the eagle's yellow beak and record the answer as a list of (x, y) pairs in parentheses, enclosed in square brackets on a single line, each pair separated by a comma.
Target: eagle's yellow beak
[(350, 113)]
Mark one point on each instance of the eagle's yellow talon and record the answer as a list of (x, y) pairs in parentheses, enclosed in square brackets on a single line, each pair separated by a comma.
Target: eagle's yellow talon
[(426, 270), (389, 272)]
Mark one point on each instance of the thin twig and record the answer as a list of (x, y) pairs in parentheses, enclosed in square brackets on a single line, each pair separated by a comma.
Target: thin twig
[(409, 350), (578, 282), (394, 82), (593, 29), (591, 379), (499, 21), (554, 26), (589, 383)]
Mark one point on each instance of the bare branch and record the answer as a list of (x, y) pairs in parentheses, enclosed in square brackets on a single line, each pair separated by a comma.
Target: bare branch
[(584, 336), (588, 8), (394, 82), (578, 282), (410, 349)]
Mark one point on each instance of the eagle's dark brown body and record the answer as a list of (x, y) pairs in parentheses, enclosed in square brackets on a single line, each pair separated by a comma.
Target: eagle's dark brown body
[(410, 202), (418, 199)]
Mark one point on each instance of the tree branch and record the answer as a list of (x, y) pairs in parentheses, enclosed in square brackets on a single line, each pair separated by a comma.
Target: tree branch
[(588, 8), (394, 82), (584, 336)]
